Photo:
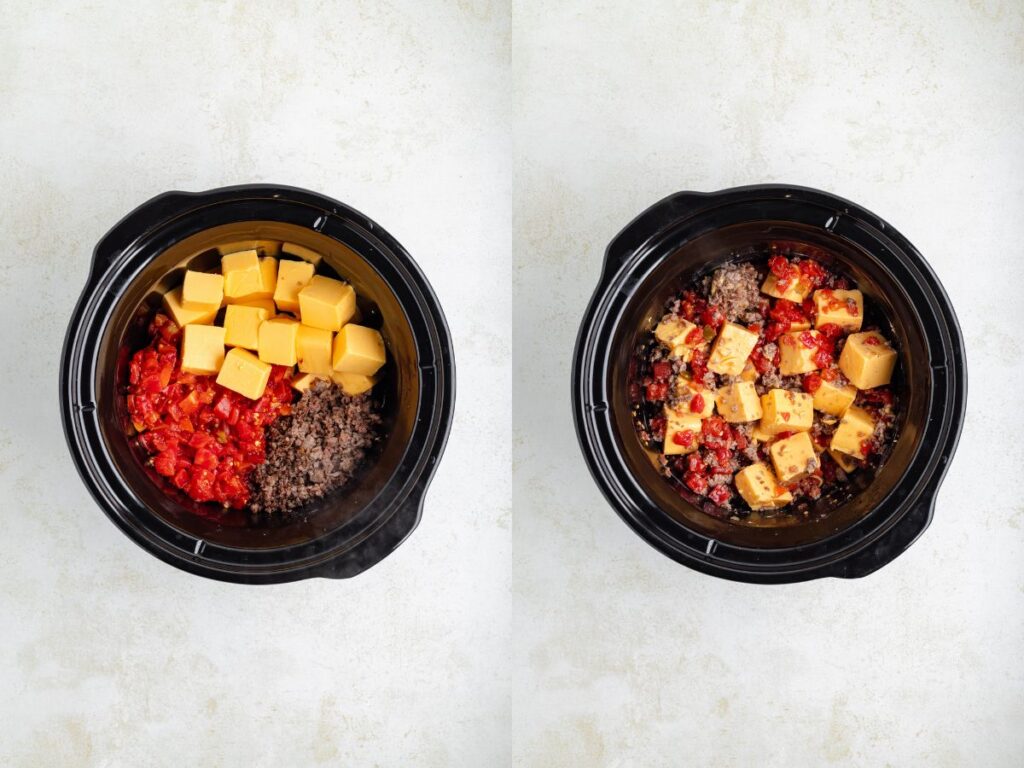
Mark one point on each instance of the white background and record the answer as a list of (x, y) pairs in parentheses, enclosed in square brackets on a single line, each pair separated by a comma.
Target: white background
[(522, 623)]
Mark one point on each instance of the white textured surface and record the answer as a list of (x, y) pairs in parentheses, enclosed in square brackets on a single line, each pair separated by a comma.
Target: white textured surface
[(508, 147)]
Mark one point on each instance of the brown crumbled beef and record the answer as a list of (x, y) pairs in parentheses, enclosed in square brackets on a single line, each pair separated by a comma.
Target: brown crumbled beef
[(318, 449), (735, 289)]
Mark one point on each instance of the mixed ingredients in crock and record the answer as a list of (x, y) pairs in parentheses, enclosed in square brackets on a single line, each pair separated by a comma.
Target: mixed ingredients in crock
[(761, 387), (255, 389)]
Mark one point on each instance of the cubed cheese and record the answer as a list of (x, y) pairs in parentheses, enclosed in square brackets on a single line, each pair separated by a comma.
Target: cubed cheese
[(242, 274), (244, 373), (687, 389), (306, 254), (796, 291), (799, 325), (292, 277), (242, 324), (327, 303), (358, 349), (854, 428), (842, 308), (731, 350), (277, 341), (785, 411), (268, 282), (759, 488), (264, 247), (181, 316), (795, 356), (202, 349), (267, 304), (833, 398), (682, 432), (304, 381), (846, 463), (749, 372), (738, 402), (353, 383), (867, 360), (313, 349), (673, 330), (794, 458), (759, 434), (202, 291)]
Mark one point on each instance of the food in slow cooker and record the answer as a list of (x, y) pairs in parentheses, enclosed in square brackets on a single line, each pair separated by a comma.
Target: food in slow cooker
[(761, 389), (212, 394)]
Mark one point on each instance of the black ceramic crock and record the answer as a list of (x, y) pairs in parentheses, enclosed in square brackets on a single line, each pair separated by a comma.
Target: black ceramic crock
[(686, 236), (144, 255)]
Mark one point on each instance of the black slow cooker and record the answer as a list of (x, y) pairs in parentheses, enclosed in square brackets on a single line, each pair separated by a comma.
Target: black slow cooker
[(146, 254), (689, 234)]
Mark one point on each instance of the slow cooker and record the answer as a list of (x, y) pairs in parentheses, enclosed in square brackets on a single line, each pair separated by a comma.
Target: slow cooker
[(143, 256), (688, 235)]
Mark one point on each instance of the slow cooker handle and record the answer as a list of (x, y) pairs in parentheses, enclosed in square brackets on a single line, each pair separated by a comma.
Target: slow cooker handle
[(381, 543), (151, 213), (891, 544), (648, 224)]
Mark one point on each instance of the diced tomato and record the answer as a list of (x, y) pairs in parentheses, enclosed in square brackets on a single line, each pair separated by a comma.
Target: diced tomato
[(811, 383), (694, 463), (830, 331), (697, 403), (712, 316), (694, 337), (813, 272), (657, 390), (784, 434), (696, 482), (661, 370), (657, 425), (808, 340), (720, 495), (684, 438), (829, 374), (714, 426), (164, 463), (223, 407), (872, 341)]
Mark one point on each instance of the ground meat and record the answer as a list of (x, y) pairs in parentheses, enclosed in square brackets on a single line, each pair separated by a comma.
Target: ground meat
[(735, 289), (319, 449)]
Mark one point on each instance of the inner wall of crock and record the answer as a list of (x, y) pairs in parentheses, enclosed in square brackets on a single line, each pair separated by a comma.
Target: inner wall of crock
[(397, 391), (894, 314)]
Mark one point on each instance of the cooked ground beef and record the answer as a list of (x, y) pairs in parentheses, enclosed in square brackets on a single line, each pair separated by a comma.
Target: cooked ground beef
[(736, 290), (315, 451)]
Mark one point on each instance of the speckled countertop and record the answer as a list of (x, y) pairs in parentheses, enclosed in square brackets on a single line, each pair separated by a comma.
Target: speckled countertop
[(523, 623)]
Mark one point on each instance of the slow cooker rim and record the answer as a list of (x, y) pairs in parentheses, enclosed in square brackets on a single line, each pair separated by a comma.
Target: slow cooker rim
[(620, 269), (80, 419)]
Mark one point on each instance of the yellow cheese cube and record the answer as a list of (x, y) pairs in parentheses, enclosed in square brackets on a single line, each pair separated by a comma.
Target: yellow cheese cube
[(682, 432), (793, 457), (757, 433), (265, 247), (277, 341), (313, 350), (358, 349), (292, 277), (202, 291), (854, 428), (242, 324), (731, 350), (749, 372), (306, 254), (759, 488), (799, 325), (673, 330), (327, 303), (202, 349), (686, 389), (846, 463), (242, 275), (738, 402), (244, 373), (794, 355), (267, 304), (353, 383), (268, 279), (304, 381), (842, 308), (796, 291), (181, 316), (785, 411), (867, 360), (832, 398)]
